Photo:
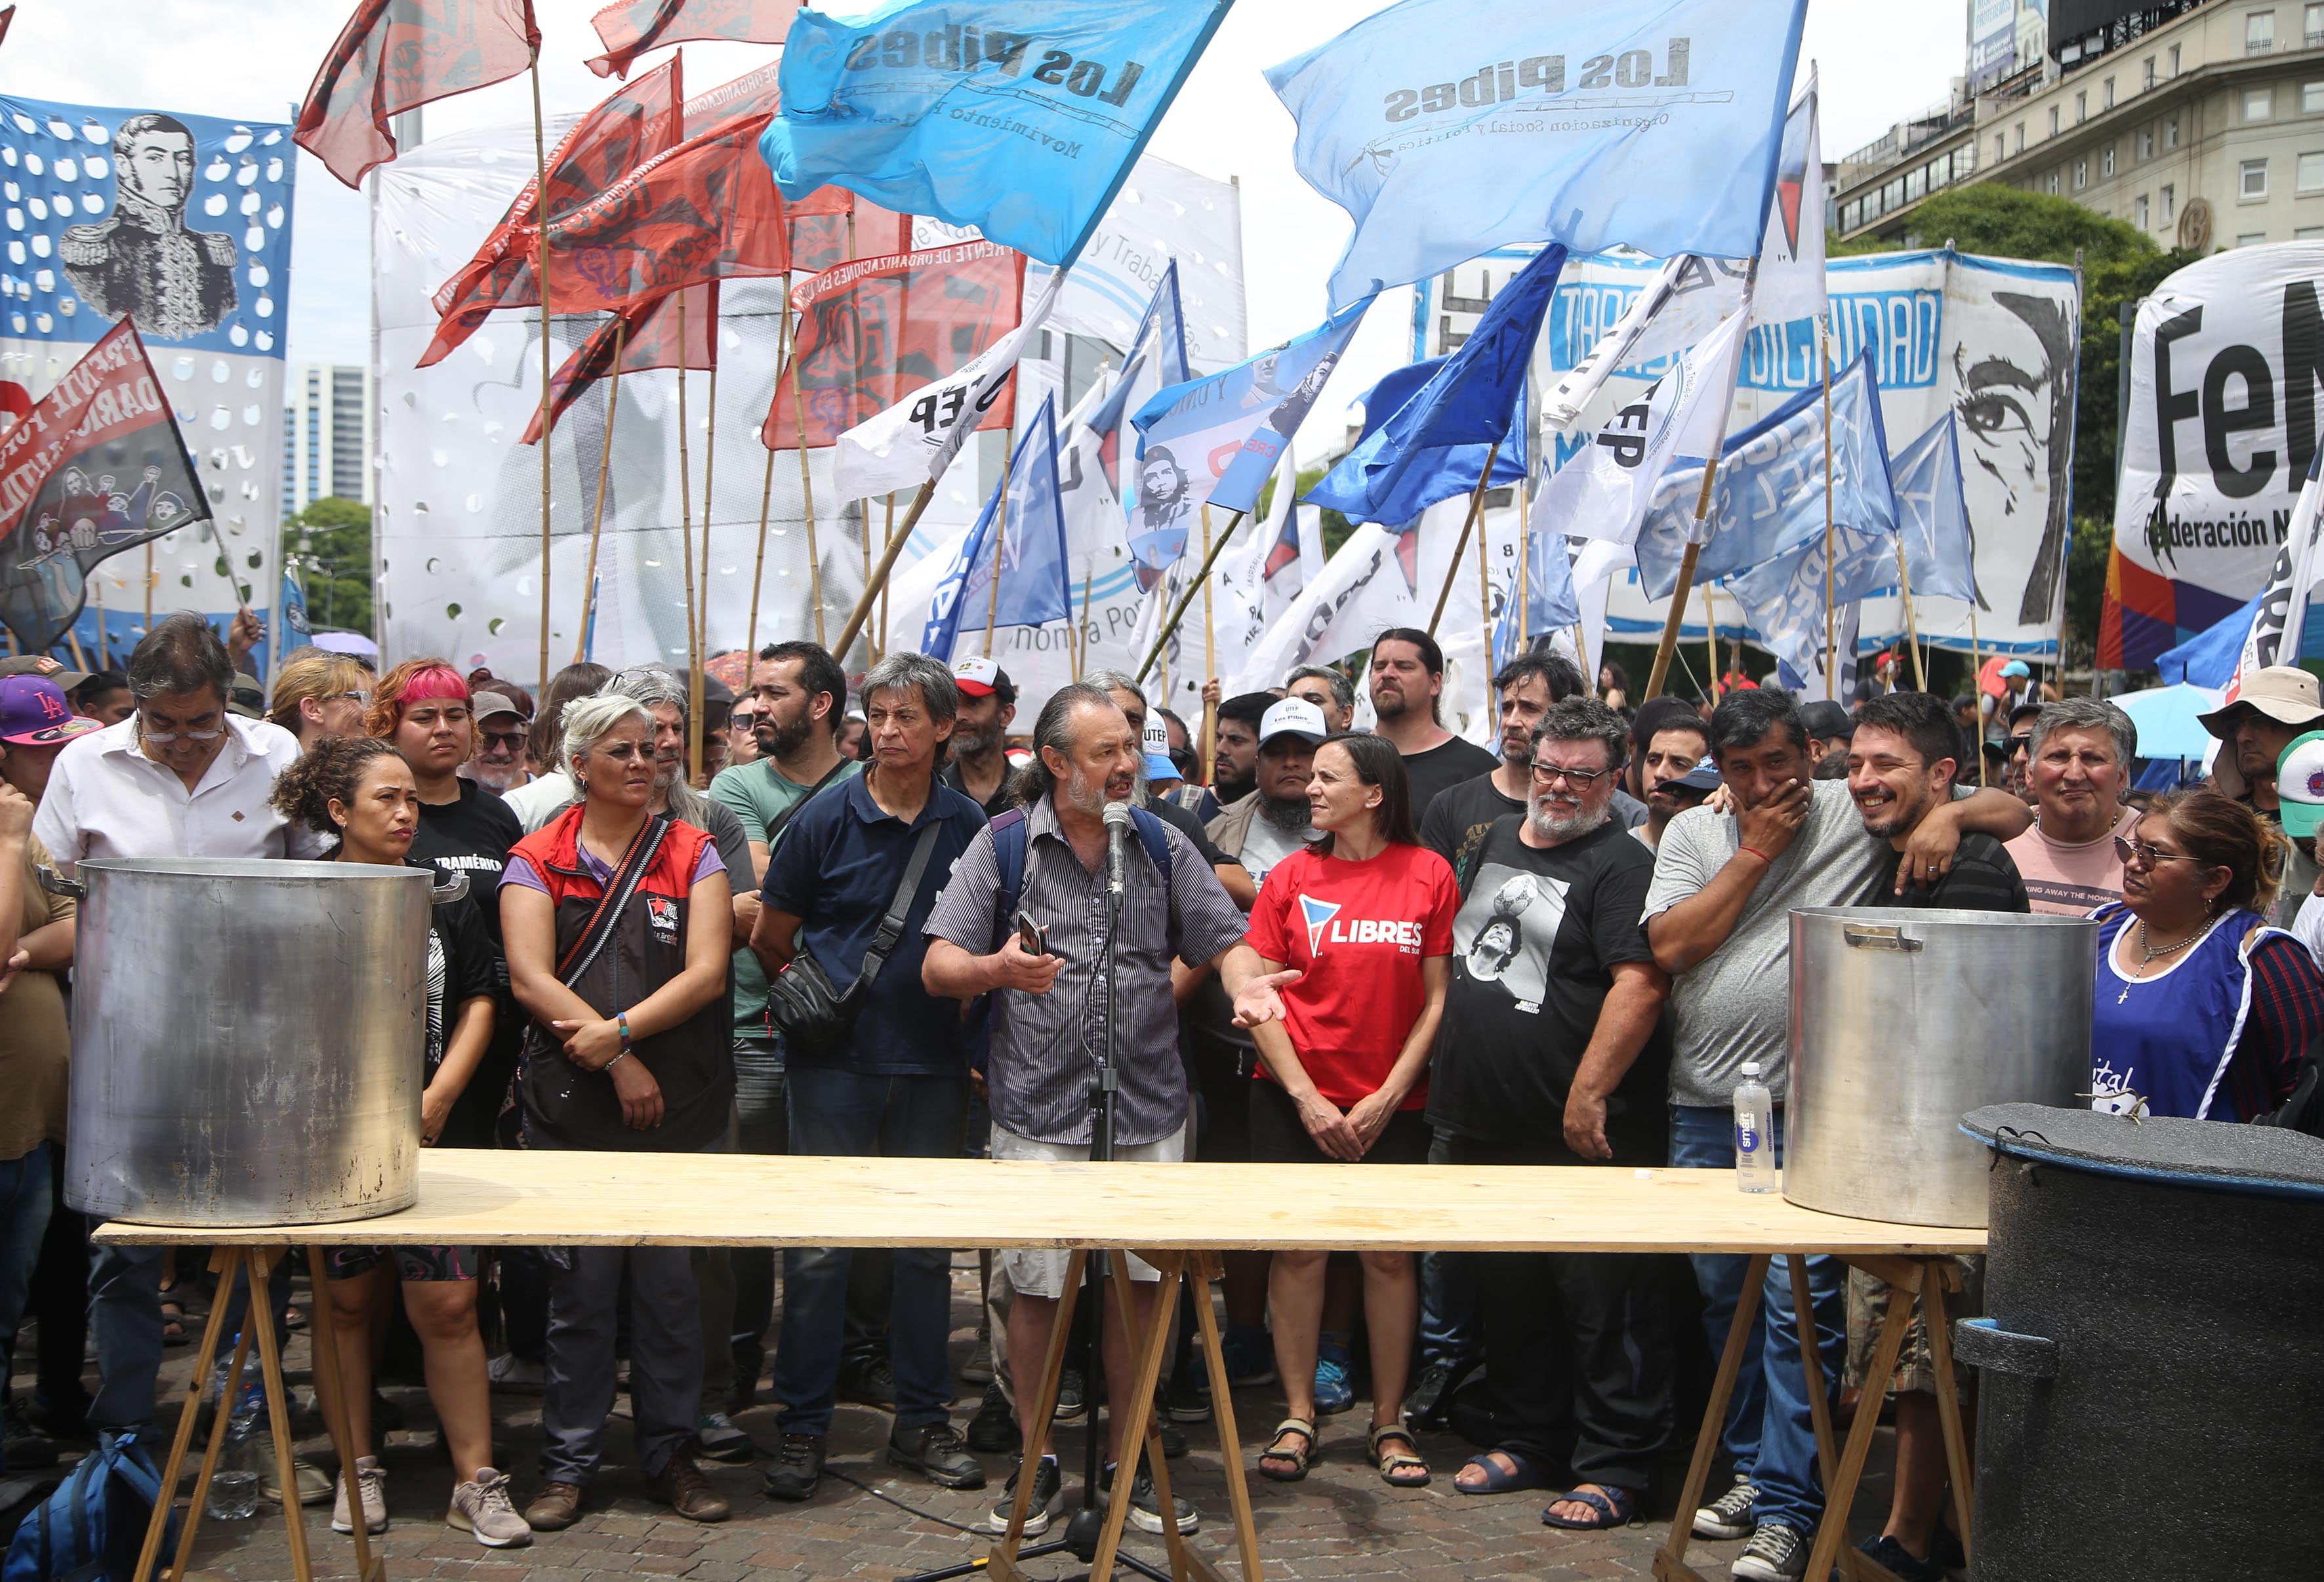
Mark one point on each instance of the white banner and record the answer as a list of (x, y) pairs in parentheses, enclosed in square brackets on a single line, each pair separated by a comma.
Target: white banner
[(2223, 420), (1994, 340)]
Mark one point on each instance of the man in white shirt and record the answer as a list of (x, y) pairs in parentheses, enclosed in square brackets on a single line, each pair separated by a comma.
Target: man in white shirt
[(180, 777)]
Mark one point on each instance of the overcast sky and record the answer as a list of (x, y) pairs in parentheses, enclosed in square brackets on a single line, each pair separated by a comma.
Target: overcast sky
[(251, 58)]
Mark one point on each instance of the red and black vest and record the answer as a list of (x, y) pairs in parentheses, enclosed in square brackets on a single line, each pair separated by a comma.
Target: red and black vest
[(693, 1062)]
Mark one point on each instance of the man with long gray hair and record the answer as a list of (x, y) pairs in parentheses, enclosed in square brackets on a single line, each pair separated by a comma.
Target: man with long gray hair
[(1048, 1027), (846, 892)]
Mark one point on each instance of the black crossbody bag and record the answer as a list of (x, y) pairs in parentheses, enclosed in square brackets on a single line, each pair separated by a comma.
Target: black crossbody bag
[(801, 1000)]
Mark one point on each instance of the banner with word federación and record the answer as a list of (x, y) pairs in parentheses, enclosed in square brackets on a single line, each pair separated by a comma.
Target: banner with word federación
[(2221, 424)]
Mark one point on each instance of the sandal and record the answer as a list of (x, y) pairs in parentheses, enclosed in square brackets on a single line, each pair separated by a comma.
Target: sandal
[(1613, 1507), (1397, 1468), (173, 1323), (1497, 1482), (1299, 1458)]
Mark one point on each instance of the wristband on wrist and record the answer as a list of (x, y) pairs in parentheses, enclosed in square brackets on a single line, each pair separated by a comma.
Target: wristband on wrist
[(621, 1022), (617, 1060), (1755, 852)]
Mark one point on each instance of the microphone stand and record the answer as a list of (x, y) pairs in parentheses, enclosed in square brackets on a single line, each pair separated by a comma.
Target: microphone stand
[(1086, 1525)]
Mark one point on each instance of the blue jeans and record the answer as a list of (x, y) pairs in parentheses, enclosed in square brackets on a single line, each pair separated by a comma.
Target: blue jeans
[(1770, 1433), (24, 1218), (836, 1112), (1450, 1320), (125, 1316)]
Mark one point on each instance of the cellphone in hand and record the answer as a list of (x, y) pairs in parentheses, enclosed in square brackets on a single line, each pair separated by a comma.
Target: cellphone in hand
[(1034, 936)]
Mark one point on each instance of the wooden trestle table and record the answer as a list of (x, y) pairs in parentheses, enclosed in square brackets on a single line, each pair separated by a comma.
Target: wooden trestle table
[(1177, 1216)]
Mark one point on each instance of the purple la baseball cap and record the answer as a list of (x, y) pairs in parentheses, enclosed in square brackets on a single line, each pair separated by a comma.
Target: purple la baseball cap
[(35, 713)]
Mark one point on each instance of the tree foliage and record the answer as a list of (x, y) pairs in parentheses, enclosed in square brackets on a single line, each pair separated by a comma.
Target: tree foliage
[(2120, 265), (332, 538)]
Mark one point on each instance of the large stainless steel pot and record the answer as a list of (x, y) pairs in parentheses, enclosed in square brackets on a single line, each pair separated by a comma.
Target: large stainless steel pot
[(248, 1040), (1903, 1020)]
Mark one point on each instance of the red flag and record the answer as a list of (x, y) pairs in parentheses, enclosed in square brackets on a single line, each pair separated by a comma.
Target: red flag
[(397, 55), (632, 126), (6, 17), (629, 28), (96, 466), (871, 332), (819, 220), (648, 337), (705, 210)]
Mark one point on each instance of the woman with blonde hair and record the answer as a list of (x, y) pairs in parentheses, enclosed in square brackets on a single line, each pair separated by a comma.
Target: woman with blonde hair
[(2202, 1010), (320, 696)]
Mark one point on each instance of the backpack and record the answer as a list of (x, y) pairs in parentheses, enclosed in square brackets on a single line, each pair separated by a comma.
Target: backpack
[(1009, 841), (92, 1528)]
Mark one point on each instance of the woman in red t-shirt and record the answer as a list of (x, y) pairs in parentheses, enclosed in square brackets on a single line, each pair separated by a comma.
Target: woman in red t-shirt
[(1366, 916)]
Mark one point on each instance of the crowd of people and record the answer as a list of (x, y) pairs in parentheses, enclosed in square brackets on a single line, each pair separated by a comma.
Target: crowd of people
[(869, 918)]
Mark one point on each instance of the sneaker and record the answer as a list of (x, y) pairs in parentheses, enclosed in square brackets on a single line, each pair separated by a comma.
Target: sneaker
[(978, 1368), (872, 1383), (935, 1452), (1072, 1396), (1146, 1505), (798, 1469), (1728, 1515), (717, 1438), (1189, 1396), (994, 1429), (482, 1509), (1334, 1392), (1048, 1483), (315, 1485), (371, 1484), (1775, 1554), (511, 1372), (1894, 1557), (1249, 1356)]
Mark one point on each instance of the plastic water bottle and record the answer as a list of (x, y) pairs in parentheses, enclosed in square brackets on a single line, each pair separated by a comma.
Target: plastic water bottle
[(234, 1487), (1755, 1149)]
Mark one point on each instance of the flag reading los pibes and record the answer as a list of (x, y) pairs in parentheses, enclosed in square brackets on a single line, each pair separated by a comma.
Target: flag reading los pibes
[(95, 467)]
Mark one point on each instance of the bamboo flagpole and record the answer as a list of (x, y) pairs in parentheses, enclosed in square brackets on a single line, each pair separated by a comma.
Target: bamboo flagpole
[(1711, 636), (1824, 345), (1080, 629), (1186, 598), (1468, 526), (807, 504), (694, 699), (604, 468), (541, 217), (685, 498), (1912, 627), (1000, 538), (1975, 687), (1693, 554), (888, 538), (864, 524), (766, 485), (1210, 660), (902, 536)]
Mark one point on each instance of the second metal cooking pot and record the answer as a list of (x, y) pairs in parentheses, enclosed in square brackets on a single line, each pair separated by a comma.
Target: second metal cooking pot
[(248, 1040), (1903, 1020)]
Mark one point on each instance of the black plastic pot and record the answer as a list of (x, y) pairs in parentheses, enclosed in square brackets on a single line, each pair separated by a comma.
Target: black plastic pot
[(2151, 1391)]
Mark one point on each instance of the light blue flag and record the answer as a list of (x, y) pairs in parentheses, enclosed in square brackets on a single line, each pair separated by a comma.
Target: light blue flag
[(1216, 440), (1769, 494), (1932, 515), (1156, 360), (1434, 446), (1551, 604), (1782, 598), (1033, 586), (1021, 117), (1450, 127)]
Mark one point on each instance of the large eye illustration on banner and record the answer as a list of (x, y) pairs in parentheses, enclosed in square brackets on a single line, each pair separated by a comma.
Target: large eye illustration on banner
[(2016, 405)]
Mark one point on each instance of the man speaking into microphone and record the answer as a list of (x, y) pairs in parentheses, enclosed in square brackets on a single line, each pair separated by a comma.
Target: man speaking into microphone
[(1057, 873)]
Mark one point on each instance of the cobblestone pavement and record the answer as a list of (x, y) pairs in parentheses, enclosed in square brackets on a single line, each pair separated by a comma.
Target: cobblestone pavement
[(1341, 1522)]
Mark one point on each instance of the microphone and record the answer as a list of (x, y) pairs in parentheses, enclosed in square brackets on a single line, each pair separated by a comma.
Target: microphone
[(1116, 816)]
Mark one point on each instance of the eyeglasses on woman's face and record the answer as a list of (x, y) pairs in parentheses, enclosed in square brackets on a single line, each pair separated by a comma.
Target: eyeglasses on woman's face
[(2147, 854)]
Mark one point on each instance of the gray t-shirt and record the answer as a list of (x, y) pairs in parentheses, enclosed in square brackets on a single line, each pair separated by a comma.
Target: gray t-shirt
[(1735, 1005), (1042, 1045)]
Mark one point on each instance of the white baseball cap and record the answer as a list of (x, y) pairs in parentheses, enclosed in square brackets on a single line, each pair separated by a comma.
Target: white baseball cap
[(1293, 716), (978, 677)]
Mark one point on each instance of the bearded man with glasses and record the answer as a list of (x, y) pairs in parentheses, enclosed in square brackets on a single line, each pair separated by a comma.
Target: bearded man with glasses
[(180, 777)]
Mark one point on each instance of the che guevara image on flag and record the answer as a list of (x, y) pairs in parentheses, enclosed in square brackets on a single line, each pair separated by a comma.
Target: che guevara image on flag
[(96, 466)]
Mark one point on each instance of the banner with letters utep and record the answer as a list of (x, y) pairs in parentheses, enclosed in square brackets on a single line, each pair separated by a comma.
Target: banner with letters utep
[(2222, 420), (1994, 340)]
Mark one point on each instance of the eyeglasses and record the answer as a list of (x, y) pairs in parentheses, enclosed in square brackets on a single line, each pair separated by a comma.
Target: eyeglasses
[(358, 696), (511, 740), (1580, 780), (164, 738), (2149, 854)]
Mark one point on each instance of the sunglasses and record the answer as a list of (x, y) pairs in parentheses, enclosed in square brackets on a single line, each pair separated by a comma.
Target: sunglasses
[(2149, 854), (511, 740)]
